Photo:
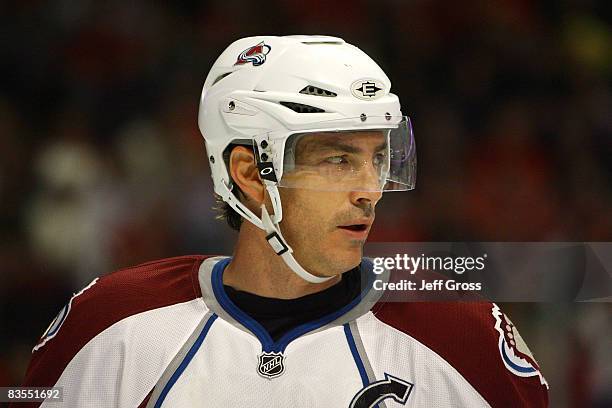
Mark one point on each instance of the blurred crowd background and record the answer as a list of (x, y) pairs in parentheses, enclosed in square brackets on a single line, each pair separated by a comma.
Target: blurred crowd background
[(102, 165)]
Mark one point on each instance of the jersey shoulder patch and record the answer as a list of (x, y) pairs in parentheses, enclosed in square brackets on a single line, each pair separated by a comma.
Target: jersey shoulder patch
[(106, 301), (512, 348), (465, 335)]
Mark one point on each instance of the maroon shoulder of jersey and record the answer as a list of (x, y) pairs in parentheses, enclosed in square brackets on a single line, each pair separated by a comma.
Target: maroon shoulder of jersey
[(465, 335), (106, 301)]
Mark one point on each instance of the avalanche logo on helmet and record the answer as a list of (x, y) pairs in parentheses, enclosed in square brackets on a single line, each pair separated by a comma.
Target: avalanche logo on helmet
[(255, 54), (514, 352)]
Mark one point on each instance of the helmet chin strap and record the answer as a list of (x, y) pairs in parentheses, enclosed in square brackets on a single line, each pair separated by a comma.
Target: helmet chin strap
[(276, 240)]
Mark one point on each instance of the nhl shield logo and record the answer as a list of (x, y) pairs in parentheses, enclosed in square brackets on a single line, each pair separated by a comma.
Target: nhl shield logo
[(271, 365)]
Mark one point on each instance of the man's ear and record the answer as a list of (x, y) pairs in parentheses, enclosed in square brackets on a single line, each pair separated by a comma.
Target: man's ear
[(243, 170)]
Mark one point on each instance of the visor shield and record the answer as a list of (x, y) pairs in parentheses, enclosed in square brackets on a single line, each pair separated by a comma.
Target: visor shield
[(381, 158)]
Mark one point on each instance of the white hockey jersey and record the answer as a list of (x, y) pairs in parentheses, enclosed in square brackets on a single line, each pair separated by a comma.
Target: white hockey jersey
[(165, 334)]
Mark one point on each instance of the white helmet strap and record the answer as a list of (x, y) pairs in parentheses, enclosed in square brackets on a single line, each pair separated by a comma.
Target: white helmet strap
[(270, 225), (229, 197), (277, 241)]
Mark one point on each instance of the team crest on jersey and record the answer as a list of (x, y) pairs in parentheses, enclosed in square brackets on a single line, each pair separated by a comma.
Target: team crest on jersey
[(389, 388), (255, 54), (59, 320), (514, 352), (271, 365)]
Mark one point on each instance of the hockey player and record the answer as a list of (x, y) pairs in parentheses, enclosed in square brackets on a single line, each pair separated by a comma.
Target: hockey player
[(303, 136)]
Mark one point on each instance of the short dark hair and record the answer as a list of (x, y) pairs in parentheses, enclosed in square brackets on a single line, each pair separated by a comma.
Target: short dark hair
[(223, 209), (226, 212)]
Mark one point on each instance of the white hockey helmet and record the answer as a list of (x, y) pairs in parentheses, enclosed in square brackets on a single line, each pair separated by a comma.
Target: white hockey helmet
[(263, 90)]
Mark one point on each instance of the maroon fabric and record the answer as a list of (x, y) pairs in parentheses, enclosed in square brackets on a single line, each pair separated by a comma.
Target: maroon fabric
[(144, 402), (114, 297), (463, 333)]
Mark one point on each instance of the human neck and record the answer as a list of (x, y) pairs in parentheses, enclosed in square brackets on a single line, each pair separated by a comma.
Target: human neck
[(255, 268)]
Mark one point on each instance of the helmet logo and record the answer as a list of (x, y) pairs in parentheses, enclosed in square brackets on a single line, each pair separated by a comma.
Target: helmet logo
[(367, 89), (255, 54), (266, 171)]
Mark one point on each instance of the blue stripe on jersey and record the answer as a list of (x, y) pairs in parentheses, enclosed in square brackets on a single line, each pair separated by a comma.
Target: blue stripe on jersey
[(234, 311), (512, 364), (188, 357), (351, 342), (315, 324), (268, 344)]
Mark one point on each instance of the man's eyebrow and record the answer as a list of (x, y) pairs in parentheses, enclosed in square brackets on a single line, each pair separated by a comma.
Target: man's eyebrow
[(381, 146), (333, 144)]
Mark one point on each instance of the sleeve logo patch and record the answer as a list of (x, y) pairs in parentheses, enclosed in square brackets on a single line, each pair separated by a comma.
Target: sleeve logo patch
[(512, 348), (59, 320)]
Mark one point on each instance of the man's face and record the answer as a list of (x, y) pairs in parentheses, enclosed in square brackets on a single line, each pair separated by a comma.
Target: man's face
[(328, 210)]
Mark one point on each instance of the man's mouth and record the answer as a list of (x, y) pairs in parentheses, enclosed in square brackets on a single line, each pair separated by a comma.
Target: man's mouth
[(355, 227)]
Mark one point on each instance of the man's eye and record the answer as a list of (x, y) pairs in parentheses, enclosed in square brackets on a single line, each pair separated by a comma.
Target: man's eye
[(336, 160), (379, 159)]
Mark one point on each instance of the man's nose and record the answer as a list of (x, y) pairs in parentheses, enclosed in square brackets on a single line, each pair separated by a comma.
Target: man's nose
[(368, 186)]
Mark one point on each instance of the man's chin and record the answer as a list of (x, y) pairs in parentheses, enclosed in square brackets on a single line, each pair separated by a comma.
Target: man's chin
[(351, 256), (335, 261)]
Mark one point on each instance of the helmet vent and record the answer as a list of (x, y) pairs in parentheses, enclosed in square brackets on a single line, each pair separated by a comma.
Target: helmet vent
[(220, 77), (313, 90), (301, 108)]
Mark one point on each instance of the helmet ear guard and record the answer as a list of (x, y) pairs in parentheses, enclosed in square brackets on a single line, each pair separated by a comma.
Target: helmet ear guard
[(262, 90)]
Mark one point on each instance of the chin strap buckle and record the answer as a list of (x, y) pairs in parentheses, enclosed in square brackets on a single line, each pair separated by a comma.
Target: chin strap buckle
[(277, 243)]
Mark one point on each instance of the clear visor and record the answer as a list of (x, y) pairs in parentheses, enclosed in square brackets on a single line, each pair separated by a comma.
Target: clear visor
[(377, 159)]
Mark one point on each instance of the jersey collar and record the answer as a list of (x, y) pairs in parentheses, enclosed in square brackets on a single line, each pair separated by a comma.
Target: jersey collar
[(211, 283)]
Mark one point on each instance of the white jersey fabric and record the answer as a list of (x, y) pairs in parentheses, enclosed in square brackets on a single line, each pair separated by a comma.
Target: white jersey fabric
[(165, 334)]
